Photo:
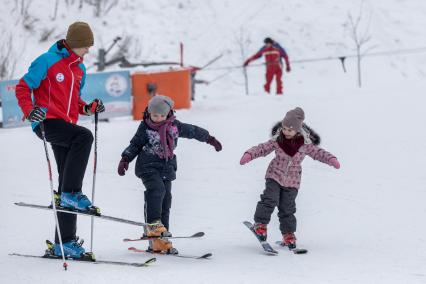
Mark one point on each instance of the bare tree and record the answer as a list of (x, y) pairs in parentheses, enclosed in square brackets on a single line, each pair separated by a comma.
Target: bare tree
[(243, 40), (101, 7), (55, 10), (359, 31), (7, 60), (25, 5), (46, 33), (29, 22)]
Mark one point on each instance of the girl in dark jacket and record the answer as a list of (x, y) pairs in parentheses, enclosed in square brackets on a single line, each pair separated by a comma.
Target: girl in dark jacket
[(153, 144)]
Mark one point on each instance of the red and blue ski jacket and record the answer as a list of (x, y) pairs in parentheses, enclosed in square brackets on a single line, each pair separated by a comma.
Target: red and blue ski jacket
[(55, 80), (273, 55)]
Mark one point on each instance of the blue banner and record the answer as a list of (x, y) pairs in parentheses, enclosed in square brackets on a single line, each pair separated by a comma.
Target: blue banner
[(113, 88), (12, 114)]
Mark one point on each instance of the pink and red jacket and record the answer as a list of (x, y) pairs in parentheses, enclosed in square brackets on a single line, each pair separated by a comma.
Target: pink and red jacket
[(284, 169), (55, 80)]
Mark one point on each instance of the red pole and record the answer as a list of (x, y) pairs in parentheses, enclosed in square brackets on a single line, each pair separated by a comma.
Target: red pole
[(181, 54)]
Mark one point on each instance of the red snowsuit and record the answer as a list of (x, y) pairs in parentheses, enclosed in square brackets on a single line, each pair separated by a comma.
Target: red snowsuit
[(273, 54)]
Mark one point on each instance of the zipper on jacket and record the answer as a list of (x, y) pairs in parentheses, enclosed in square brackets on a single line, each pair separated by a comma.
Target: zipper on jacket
[(72, 85), (286, 169)]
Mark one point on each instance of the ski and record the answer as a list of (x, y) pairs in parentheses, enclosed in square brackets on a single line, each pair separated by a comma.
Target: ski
[(265, 245), (89, 260), (294, 250), (84, 213), (146, 238), (204, 256)]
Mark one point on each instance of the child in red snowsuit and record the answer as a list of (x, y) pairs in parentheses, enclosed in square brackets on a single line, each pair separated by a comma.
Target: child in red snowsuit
[(273, 53)]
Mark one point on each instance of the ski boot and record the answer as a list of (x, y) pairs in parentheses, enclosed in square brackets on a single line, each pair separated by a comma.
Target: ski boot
[(73, 249), (75, 200), (57, 198), (260, 231), (157, 229), (289, 240), (162, 246)]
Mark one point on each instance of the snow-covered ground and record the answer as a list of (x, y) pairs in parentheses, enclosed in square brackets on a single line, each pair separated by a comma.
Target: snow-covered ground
[(361, 224)]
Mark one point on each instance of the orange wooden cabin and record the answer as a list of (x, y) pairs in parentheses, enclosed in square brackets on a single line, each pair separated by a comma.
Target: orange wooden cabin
[(175, 84)]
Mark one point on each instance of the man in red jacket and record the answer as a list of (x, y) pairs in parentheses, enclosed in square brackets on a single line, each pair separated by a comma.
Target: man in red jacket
[(50, 93), (273, 53)]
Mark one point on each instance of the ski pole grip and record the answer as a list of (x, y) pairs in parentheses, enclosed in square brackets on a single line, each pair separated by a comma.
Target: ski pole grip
[(94, 106)]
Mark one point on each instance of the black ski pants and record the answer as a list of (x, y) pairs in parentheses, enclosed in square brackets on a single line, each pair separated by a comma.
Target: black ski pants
[(158, 198), (71, 146), (284, 198)]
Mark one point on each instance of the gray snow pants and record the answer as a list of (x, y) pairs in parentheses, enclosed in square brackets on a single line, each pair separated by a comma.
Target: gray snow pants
[(284, 198)]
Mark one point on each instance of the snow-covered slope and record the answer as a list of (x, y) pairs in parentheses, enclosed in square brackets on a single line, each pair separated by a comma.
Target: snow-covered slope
[(362, 223)]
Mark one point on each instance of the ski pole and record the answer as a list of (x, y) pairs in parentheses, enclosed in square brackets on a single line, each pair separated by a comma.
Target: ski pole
[(43, 135), (94, 178)]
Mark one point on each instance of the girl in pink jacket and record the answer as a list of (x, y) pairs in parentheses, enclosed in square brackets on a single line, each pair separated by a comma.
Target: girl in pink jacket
[(291, 143)]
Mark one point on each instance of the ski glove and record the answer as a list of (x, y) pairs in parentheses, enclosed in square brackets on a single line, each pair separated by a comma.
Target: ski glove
[(335, 163), (288, 68), (95, 106), (36, 115), (216, 144), (123, 166), (245, 159)]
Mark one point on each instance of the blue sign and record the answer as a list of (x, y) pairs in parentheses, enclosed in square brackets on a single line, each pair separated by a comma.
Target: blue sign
[(113, 88), (12, 114)]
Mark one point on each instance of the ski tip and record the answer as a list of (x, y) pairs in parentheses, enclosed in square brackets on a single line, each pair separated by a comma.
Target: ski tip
[(295, 251), (198, 235), (206, 256), (270, 251), (247, 223), (151, 260), (136, 249), (300, 251)]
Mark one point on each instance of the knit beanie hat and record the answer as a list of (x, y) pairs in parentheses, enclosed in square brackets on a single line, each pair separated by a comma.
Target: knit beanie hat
[(294, 119), (79, 35), (160, 104)]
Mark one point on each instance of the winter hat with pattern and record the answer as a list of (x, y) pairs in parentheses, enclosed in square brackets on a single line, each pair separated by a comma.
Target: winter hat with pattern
[(294, 119), (160, 104), (79, 35)]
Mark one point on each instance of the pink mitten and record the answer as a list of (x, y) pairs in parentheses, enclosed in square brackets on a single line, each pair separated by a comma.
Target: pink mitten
[(335, 163), (245, 159)]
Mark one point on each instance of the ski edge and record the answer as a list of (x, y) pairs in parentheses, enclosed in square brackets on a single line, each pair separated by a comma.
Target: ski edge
[(295, 250), (267, 248), (196, 235), (64, 210), (112, 262), (204, 256)]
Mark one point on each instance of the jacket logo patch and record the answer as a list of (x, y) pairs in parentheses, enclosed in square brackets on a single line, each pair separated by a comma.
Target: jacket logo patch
[(60, 77)]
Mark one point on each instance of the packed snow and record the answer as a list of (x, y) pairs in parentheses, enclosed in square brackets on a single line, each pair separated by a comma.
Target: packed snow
[(362, 223)]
